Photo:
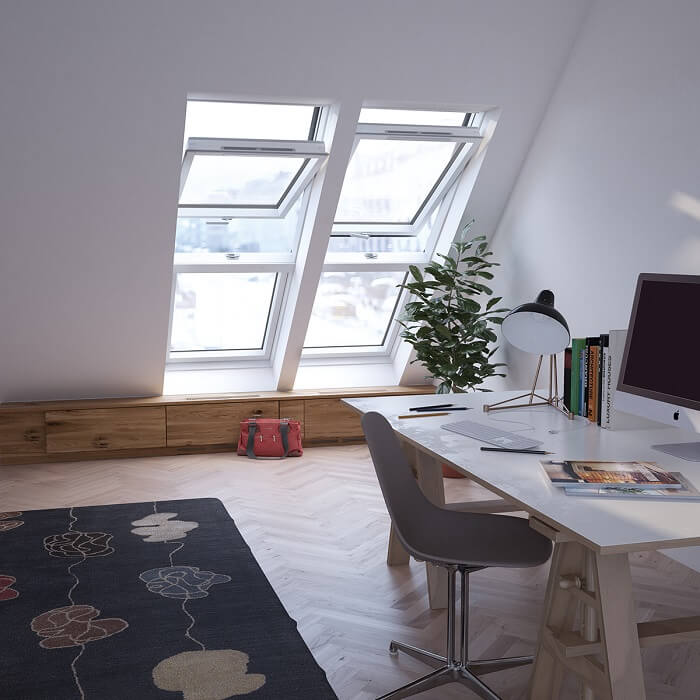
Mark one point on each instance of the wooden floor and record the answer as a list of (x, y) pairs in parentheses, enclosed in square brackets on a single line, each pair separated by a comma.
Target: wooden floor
[(319, 529)]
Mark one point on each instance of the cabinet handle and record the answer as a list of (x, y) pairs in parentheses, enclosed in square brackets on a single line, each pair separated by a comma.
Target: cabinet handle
[(258, 412), (32, 435), (101, 442)]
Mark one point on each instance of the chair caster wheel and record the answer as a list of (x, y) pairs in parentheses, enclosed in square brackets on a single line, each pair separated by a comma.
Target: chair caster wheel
[(393, 650)]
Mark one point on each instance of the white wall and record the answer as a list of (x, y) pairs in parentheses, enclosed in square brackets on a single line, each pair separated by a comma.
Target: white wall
[(92, 110), (594, 203), (597, 201)]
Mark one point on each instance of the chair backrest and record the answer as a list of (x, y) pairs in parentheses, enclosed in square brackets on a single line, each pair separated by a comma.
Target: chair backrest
[(411, 512)]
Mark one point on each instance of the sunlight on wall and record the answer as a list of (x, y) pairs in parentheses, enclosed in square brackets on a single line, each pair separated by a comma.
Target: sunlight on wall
[(686, 203)]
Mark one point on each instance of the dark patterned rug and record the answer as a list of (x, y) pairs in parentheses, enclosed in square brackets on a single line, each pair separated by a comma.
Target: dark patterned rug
[(144, 600)]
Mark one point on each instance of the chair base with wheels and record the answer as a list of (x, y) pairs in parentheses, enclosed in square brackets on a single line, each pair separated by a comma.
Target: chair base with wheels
[(453, 668)]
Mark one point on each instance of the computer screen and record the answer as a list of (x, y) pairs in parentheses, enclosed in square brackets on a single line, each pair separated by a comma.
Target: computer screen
[(662, 354)]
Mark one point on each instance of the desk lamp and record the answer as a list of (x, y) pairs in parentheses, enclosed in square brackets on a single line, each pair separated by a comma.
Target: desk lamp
[(538, 328)]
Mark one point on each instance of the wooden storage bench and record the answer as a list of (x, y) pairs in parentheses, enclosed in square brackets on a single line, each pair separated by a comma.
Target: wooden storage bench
[(63, 431)]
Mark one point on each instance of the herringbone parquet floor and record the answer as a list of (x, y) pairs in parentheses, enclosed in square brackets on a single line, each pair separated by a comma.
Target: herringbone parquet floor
[(319, 529)]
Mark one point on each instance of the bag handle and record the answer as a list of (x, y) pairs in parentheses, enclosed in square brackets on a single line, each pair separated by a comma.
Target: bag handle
[(250, 447)]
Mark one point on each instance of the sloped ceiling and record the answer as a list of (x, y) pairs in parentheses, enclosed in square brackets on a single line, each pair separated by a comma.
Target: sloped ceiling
[(92, 110)]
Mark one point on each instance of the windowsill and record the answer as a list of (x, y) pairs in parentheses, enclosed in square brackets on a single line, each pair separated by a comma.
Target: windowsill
[(336, 376), (224, 380), (218, 380)]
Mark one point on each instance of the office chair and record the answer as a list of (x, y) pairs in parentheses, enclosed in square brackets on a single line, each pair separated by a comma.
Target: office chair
[(460, 542)]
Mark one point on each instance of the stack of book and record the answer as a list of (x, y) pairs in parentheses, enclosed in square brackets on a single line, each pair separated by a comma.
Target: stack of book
[(591, 370), (625, 479)]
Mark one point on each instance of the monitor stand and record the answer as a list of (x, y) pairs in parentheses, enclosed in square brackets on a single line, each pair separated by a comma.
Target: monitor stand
[(689, 451)]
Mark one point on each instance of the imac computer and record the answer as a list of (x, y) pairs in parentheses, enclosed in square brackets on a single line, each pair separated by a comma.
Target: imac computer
[(660, 372)]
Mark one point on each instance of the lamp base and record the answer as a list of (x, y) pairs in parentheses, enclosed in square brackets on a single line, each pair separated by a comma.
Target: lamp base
[(553, 399)]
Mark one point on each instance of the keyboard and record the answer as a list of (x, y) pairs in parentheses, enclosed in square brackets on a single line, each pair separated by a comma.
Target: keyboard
[(493, 436)]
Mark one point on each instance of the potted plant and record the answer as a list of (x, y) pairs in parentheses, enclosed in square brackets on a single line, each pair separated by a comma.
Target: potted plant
[(450, 320)]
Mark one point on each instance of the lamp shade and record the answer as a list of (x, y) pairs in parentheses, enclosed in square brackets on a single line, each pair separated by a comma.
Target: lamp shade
[(537, 327)]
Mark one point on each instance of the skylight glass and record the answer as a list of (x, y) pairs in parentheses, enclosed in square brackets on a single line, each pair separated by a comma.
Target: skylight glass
[(383, 242), (388, 181), (204, 234), (238, 180), (353, 309), (225, 311), (418, 117), (243, 120)]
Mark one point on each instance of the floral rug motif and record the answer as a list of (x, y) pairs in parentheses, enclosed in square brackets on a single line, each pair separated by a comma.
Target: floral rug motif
[(143, 600)]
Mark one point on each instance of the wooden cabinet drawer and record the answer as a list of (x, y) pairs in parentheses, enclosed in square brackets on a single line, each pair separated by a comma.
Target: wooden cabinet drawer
[(90, 430), (329, 420), (214, 423), (295, 411), (22, 434)]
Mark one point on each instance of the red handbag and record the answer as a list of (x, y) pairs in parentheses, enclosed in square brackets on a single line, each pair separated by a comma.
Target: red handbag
[(273, 438)]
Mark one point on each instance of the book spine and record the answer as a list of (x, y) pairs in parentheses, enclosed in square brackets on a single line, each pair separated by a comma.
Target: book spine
[(593, 345), (606, 400), (604, 339), (584, 380), (576, 346), (567, 378), (616, 350), (592, 383)]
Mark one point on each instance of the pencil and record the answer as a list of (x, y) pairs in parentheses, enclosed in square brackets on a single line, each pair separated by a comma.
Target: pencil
[(423, 415), (507, 449)]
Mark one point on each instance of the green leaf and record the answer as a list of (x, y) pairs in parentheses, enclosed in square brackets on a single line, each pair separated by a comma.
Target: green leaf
[(415, 272), (444, 331)]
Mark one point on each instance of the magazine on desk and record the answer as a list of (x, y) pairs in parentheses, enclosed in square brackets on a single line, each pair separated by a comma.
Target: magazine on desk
[(687, 492), (592, 474)]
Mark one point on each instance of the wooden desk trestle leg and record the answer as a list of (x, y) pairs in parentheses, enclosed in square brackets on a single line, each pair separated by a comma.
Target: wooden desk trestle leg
[(429, 476), (589, 627)]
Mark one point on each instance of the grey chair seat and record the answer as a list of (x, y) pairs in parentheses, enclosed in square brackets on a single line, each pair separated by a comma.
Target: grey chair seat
[(474, 539), (459, 541)]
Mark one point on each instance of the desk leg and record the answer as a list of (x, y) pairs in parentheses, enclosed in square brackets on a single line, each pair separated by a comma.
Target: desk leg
[(619, 628), (429, 473), (396, 554), (606, 659)]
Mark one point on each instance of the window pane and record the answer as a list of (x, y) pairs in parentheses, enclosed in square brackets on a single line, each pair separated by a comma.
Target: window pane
[(199, 234), (388, 181), (353, 309), (225, 311), (384, 242), (423, 117), (241, 120), (221, 180)]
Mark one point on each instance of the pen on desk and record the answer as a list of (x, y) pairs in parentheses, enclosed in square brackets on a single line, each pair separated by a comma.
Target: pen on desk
[(444, 408), (432, 407), (523, 452), (423, 415)]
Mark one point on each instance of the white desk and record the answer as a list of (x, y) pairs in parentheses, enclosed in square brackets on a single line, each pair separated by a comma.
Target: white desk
[(592, 536)]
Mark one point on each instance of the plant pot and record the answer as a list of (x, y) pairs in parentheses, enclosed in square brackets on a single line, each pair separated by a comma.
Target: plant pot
[(450, 473)]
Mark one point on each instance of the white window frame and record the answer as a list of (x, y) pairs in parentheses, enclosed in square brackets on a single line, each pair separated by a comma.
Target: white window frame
[(421, 257), (441, 197), (299, 270), (283, 264), (313, 153), (400, 132), (392, 334), (282, 270)]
